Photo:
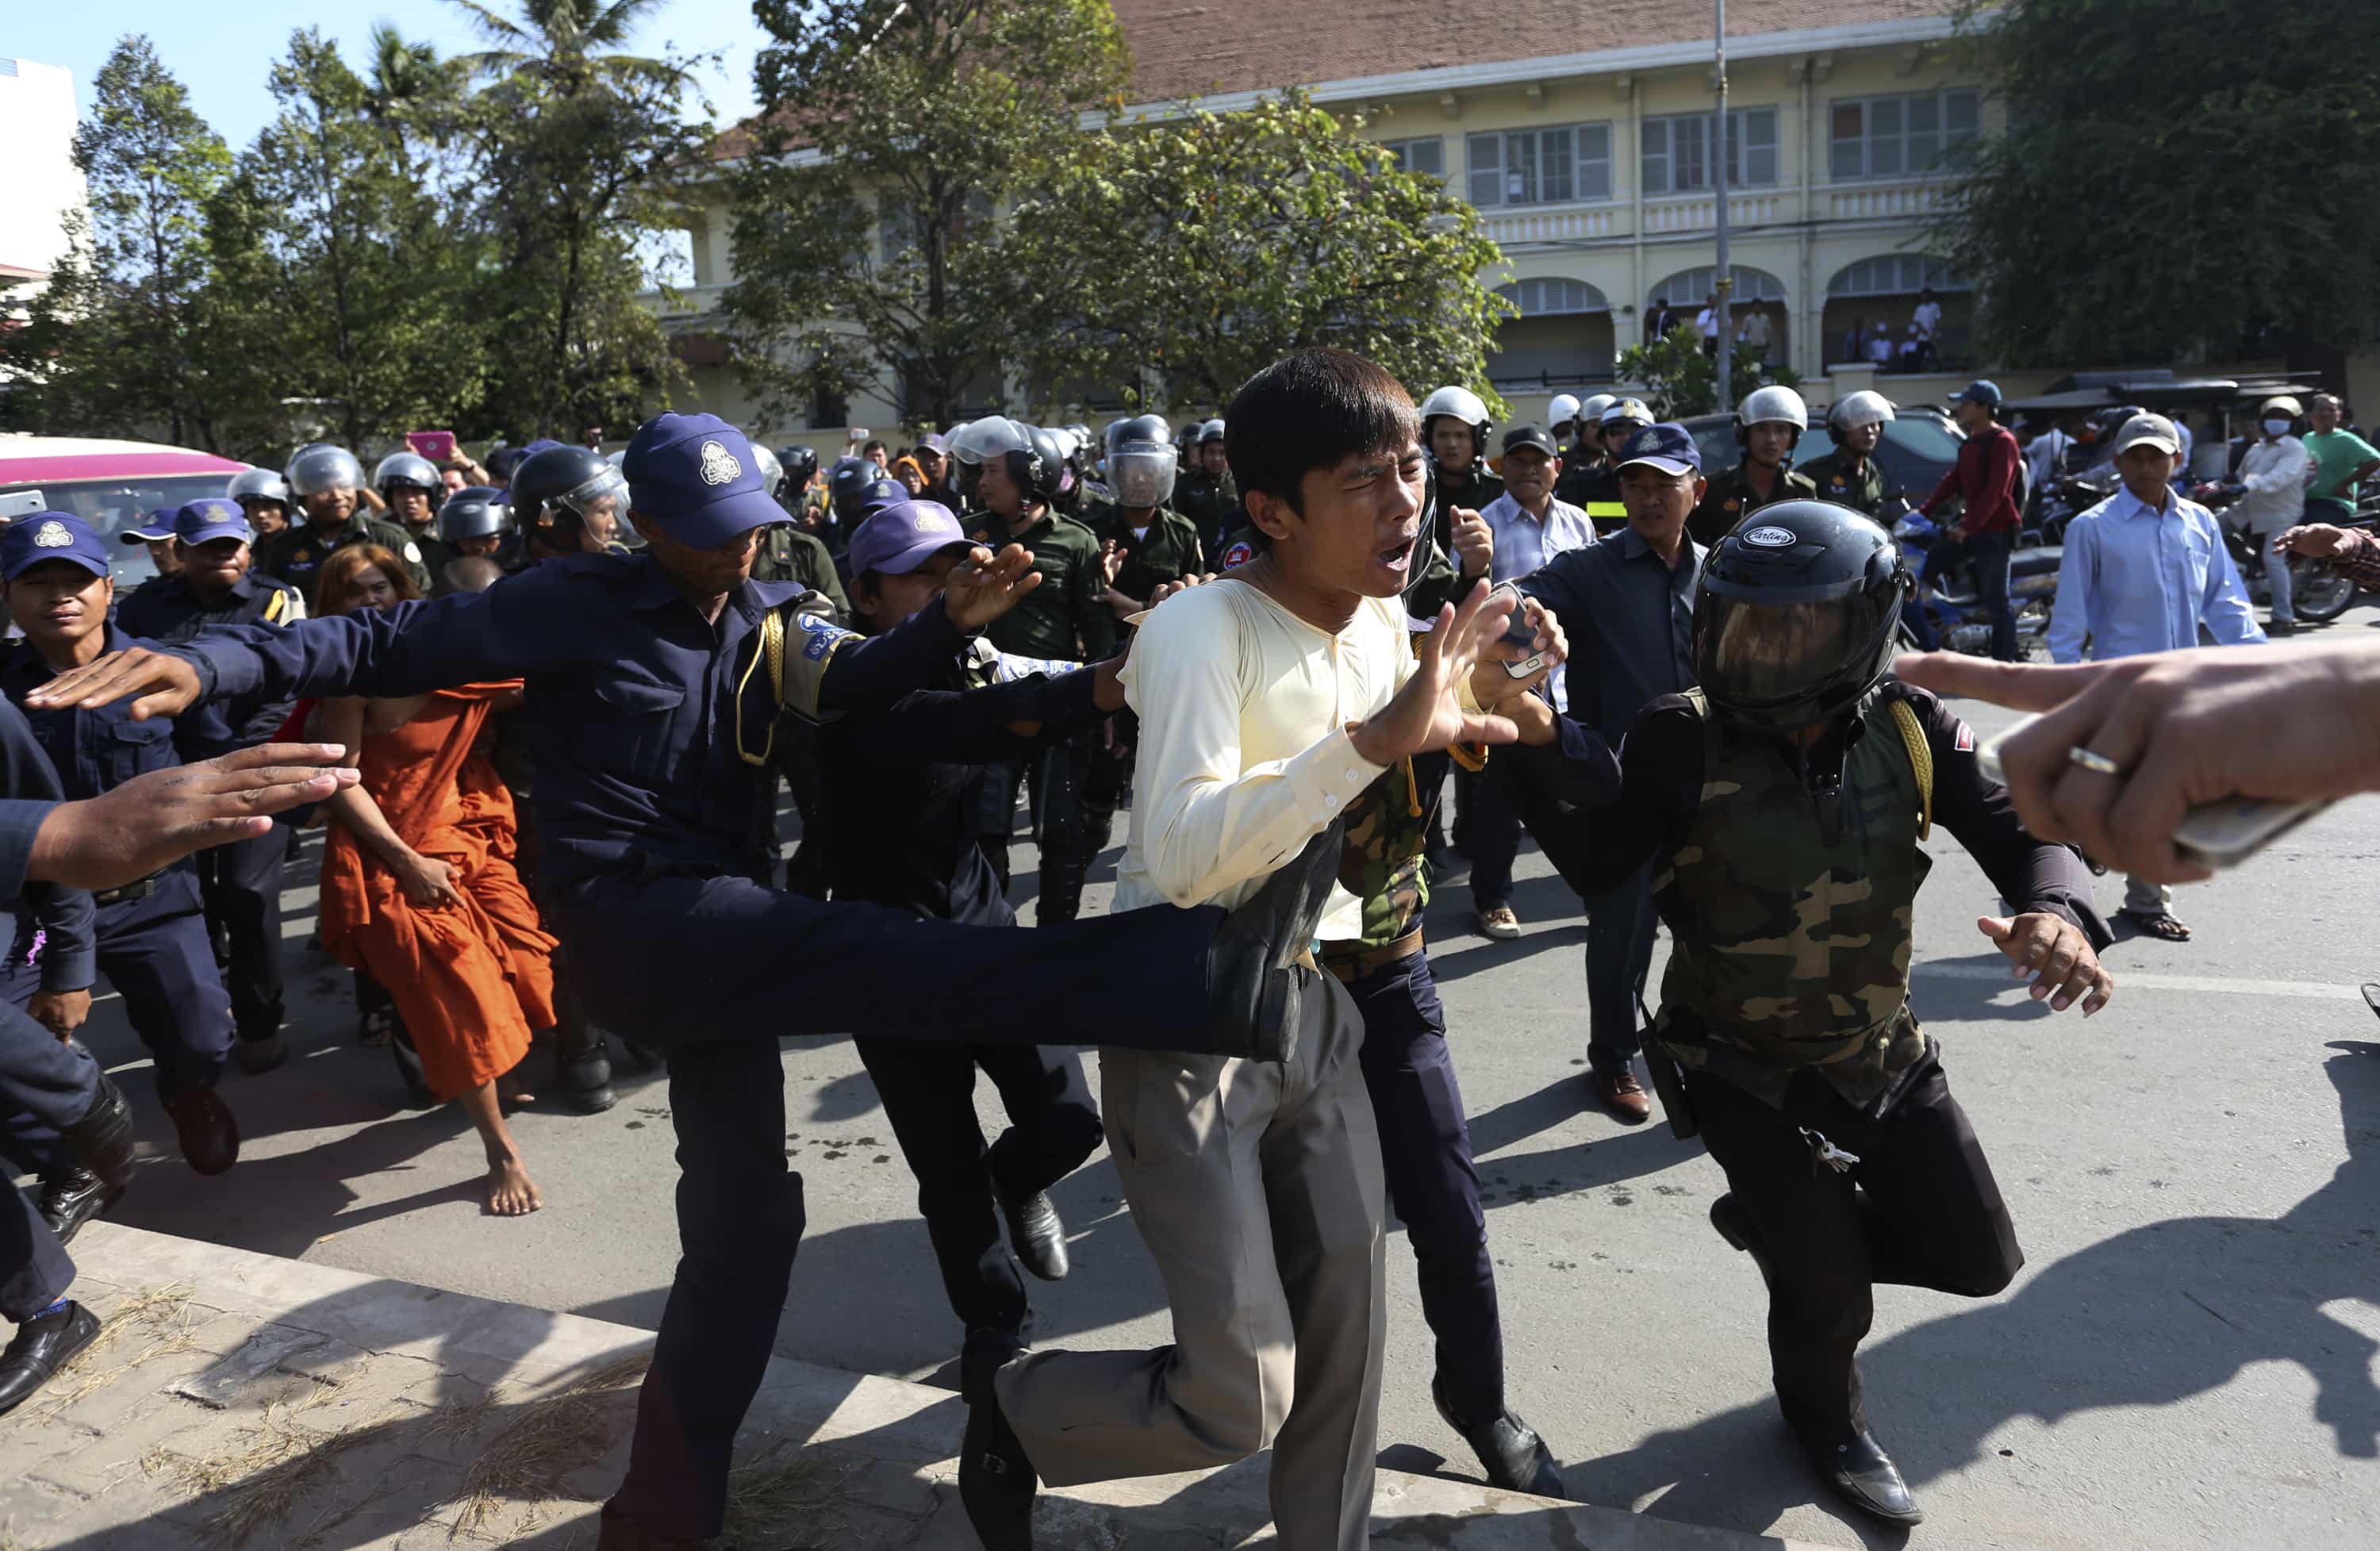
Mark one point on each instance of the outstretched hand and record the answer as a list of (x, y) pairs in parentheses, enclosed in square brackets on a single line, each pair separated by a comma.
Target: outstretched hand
[(166, 685), (1427, 712), (2055, 954), (125, 833), (984, 586)]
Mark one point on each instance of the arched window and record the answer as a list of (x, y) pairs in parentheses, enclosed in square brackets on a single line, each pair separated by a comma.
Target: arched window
[(1548, 296), (1685, 290), (1895, 274)]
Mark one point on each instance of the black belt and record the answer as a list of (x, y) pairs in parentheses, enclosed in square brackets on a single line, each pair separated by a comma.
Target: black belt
[(139, 889)]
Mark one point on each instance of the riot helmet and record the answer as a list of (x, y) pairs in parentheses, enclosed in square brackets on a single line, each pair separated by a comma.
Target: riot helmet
[(1038, 468), (1590, 414), (1141, 465), (566, 489), (801, 466), (474, 512), (1562, 414), (319, 467), (1865, 407), (993, 436), (772, 470), (254, 488), (406, 468), (1466, 407), (847, 486), (1795, 615)]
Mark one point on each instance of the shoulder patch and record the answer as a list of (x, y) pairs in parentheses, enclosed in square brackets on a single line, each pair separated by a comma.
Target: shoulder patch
[(1238, 554), (1731, 503), (1966, 741), (412, 552)]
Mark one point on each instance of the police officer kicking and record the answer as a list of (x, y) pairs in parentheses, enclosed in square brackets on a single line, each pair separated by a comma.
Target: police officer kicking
[(325, 481), (240, 882), (1768, 424), (150, 936), (1781, 805), (653, 680), (1850, 475), (1015, 470)]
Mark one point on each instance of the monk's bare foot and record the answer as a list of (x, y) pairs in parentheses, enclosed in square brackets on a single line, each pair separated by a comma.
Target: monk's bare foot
[(511, 1193), (513, 1089)]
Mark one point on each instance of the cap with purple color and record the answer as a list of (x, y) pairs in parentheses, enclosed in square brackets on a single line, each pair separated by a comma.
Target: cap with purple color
[(212, 517), (160, 525), (695, 477), (903, 536)]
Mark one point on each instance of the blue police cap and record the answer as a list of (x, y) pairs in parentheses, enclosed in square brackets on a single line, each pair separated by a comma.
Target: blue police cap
[(1669, 447), (212, 517), (695, 476), (1982, 391), (159, 525), (49, 535), (903, 536)]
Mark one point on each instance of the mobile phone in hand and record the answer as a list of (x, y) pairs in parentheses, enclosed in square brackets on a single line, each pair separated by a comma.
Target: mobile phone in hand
[(435, 445), (1519, 633)]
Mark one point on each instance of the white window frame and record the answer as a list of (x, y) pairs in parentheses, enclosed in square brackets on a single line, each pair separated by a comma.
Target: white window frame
[(1905, 151), (1565, 291), (1896, 275), (1589, 172), (1402, 154), (1753, 139), (1764, 286)]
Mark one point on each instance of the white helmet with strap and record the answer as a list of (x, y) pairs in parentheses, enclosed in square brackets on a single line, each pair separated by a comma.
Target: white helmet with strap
[(1865, 407), (1562, 411), (1773, 403)]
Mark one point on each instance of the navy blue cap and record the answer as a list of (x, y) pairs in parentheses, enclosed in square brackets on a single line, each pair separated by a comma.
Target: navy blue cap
[(903, 536), (49, 535), (697, 478), (159, 525), (209, 518), (1982, 391), (1669, 447), (934, 442)]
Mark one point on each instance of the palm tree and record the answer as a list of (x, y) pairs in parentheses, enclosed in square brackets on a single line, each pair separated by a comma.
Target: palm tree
[(410, 89), (560, 43)]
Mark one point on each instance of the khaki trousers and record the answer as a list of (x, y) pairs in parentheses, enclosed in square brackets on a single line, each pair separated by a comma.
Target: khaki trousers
[(1257, 1188)]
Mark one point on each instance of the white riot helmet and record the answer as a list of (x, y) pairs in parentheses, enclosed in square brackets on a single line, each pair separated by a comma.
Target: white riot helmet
[(980, 441), (1865, 407), (1590, 414), (319, 467), (1462, 404), (1211, 431), (773, 468), (1773, 403), (408, 469), (1561, 412), (1142, 465)]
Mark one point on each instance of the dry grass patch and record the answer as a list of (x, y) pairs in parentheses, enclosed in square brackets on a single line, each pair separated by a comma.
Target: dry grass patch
[(526, 1461), (154, 1324), (275, 1465), (793, 1494)]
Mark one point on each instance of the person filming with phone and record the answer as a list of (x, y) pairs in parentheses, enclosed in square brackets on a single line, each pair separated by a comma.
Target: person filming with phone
[(2144, 570)]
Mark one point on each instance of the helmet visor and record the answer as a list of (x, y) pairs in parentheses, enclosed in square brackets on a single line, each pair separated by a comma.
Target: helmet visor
[(1754, 655), (1142, 474)]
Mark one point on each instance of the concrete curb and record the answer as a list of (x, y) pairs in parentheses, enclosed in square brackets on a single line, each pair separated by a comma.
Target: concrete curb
[(885, 1442)]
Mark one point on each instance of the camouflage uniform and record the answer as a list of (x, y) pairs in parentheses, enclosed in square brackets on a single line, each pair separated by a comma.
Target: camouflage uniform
[(1167, 551), (1788, 879), (793, 554), (1730, 499), (1861, 489)]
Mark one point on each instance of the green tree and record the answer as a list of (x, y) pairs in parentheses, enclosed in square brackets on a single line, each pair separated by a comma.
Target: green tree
[(2161, 186), (118, 340), (1680, 380), (1227, 240), (872, 240), (579, 150)]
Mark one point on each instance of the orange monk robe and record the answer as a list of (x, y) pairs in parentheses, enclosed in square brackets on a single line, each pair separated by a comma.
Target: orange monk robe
[(470, 983)]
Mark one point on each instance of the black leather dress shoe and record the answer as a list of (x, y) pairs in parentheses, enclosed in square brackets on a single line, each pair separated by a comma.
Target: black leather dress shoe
[(582, 1070), (1515, 1458), (1258, 966), (1734, 1224), (210, 1136), (102, 1141), (72, 1196), (1036, 1234), (1864, 1475), (996, 1480), (43, 1346)]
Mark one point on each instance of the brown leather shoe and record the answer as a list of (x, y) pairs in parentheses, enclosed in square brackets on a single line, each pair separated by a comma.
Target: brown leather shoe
[(1621, 1093), (210, 1136)]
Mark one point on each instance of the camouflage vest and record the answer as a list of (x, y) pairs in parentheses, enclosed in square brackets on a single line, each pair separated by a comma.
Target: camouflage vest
[(1789, 915)]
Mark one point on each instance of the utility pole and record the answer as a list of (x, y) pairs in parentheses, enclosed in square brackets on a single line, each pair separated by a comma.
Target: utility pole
[(1724, 281)]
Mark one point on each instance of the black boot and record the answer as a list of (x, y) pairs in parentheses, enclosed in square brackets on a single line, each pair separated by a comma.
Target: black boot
[(1864, 1475), (72, 1196), (102, 1141), (996, 1480), (40, 1348), (1262, 955), (1062, 884), (1515, 1458), (582, 1068), (1034, 1232)]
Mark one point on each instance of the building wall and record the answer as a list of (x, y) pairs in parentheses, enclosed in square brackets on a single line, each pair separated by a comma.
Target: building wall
[(37, 125)]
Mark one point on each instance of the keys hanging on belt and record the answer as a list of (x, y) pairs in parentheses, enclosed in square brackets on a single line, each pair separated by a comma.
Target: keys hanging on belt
[(1826, 1152)]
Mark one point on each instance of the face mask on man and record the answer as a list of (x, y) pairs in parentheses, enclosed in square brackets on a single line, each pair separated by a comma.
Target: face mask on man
[(2277, 428)]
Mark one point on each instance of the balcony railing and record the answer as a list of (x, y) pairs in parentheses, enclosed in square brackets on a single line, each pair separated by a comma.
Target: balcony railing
[(683, 302), (1874, 202), (1700, 212), (1556, 226)]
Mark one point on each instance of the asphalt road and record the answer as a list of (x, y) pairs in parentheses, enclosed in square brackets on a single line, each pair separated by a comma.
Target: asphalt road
[(2187, 1360)]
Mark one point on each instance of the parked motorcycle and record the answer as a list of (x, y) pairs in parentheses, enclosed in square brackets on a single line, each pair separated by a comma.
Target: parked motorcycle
[(2317, 594), (1951, 605)]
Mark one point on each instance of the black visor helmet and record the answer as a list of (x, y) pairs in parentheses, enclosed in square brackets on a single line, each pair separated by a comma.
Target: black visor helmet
[(474, 512), (1795, 617)]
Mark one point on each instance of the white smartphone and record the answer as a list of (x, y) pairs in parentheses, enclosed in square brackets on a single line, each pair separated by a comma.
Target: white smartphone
[(21, 503), (1519, 633), (2217, 834)]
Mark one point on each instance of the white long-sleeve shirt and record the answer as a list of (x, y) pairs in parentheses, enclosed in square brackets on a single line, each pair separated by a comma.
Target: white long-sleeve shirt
[(2274, 473), (1245, 753)]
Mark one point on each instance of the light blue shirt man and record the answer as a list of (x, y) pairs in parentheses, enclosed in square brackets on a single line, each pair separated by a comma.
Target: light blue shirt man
[(1525, 542), (2137, 578)]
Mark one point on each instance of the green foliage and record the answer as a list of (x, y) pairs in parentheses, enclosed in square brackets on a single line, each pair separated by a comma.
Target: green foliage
[(1175, 259), (2176, 175), (868, 247), (1679, 379)]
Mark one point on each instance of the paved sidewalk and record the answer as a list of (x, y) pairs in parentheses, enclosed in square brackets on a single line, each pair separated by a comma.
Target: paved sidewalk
[(238, 1399)]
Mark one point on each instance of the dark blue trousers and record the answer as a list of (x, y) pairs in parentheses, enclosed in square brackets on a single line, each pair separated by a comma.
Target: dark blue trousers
[(711, 971), (1053, 1125), (1620, 928), (1426, 1158), (47, 1085), (241, 886)]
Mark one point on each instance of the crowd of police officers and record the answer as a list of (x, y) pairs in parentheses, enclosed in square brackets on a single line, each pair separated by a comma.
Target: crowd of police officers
[(1111, 524)]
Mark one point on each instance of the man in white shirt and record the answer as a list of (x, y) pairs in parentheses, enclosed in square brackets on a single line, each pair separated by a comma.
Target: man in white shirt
[(2274, 471), (1271, 702), (1530, 527), (1880, 345), (1709, 322), (1754, 335), (1927, 319)]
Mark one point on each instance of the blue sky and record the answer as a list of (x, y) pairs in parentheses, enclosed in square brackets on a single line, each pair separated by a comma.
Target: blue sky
[(223, 51)]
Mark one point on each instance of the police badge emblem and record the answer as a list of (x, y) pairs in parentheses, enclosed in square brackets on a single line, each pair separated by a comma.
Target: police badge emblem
[(719, 465), (53, 536)]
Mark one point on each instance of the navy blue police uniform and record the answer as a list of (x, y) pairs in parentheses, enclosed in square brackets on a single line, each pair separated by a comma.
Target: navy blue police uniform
[(240, 883), (647, 725)]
